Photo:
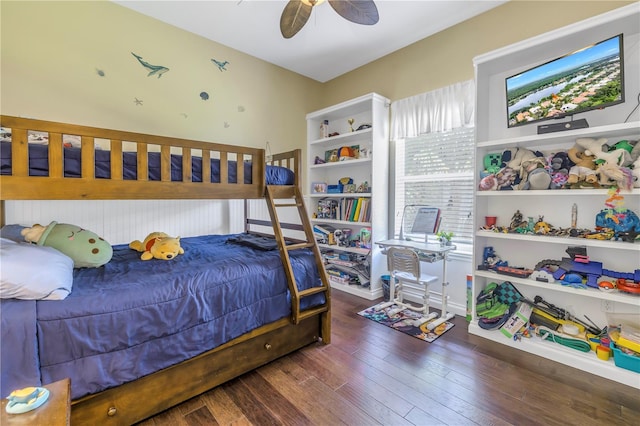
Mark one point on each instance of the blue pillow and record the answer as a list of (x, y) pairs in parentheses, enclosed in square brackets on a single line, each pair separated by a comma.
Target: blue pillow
[(12, 232), (34, 272)]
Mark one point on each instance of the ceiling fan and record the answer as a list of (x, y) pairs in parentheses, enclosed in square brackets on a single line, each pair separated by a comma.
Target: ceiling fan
[(297, 12)]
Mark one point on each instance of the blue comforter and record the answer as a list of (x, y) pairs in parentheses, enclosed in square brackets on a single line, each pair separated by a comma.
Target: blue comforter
[(130, 317), (39, 166)]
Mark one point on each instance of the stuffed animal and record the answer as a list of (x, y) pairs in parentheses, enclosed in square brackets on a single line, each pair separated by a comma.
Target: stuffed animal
[(85, 248), (488, 183), (158, 245), (619, 157), (635, 151), (506, 179), (612, 175), (559, 165), (635, 166), (534, 174), (514, 157), (538, 178), (585, 166), (635, 172), (492, 164)]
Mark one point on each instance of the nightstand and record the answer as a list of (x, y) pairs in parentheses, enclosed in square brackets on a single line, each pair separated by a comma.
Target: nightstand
[(56, 411)]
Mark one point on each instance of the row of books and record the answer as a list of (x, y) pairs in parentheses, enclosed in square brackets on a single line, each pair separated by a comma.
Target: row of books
[(347, 209), (355, 209)]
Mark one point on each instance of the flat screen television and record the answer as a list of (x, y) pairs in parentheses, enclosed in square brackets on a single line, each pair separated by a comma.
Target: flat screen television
[(587, 79)]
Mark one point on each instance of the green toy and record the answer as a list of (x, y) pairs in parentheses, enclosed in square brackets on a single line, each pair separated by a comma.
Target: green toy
[(87, 249), (492, 162)]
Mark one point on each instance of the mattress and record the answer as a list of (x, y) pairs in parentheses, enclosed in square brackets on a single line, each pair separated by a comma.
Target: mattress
[(39, 166), (131, 318)]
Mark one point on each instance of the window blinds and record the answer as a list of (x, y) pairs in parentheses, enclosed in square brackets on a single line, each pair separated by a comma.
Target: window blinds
[(436, 169)]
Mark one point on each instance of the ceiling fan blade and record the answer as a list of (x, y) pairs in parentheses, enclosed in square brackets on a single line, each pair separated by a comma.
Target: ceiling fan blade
[(294, 16), (362, 12)]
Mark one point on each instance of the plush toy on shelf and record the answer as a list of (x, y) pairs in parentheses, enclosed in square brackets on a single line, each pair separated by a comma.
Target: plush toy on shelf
[(612, 175), (506, 179), (85, 248), (612, 166), (534, 174), (635, 165), (635, 172), (559, 165), (595, 147), (158, 245), (585, 166)]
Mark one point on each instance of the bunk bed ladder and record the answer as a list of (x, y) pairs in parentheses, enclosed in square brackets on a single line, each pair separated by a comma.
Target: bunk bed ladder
[(290, 196)]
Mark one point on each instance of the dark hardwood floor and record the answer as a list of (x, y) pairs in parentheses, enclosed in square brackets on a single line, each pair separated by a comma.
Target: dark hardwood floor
[(371, 374)]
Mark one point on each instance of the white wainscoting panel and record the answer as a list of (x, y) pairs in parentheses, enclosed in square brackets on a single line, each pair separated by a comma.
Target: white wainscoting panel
[(122, 221)]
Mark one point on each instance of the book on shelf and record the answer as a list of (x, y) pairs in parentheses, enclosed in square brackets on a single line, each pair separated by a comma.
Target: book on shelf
[(356, 211), (340, 280), (341, 262), (324, 233), (358, 274), (323, 228), (365, 214)]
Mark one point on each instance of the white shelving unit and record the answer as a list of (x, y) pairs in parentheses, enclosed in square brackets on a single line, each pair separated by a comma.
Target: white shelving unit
[(372, 168), (493, 136)]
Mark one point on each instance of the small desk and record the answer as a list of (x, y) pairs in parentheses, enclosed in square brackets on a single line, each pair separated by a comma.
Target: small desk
[(427, 252), (56, 411)]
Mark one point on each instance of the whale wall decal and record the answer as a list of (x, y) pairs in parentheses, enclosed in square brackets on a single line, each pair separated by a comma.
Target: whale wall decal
[(153, 69)]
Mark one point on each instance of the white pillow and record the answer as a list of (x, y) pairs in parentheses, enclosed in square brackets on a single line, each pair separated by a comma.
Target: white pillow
[(29, 271)]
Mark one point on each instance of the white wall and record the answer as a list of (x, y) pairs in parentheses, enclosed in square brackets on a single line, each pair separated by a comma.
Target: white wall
[(122, 221)]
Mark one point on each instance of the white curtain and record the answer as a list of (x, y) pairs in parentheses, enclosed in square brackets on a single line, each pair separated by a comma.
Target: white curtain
[(440, 110)]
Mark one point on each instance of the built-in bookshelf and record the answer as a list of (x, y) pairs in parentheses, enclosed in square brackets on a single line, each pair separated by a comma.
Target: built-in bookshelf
[(348, 172), (556, 206)]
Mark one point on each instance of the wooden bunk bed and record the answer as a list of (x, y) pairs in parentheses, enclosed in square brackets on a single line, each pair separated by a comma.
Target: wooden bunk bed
[(177, 383)]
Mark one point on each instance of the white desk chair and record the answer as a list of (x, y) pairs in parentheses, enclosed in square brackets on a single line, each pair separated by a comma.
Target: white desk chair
[(404, 268)]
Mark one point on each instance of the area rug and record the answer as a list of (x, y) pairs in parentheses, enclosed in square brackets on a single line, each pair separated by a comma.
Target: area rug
[(403, 321)]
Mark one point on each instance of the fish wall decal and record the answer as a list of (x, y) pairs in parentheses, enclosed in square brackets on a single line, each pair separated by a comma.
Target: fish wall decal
[(221, 65), (153, 69)]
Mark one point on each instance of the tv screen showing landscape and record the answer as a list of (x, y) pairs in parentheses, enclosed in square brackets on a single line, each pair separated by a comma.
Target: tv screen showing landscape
[(587, 79)]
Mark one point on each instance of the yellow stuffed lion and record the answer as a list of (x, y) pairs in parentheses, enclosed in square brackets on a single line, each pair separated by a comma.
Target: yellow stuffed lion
[(158, 245)]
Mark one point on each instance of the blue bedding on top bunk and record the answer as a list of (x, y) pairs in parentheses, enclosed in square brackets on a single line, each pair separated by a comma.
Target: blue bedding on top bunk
[(130, 317), (39, 166)]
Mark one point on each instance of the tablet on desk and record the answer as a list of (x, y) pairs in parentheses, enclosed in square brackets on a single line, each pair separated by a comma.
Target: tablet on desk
[(427, 221)]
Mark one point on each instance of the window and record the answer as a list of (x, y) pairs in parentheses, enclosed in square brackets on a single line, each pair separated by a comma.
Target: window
[(436, 169)]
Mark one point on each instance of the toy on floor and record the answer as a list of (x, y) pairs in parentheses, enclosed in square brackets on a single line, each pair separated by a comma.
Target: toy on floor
[(26, 399), (85, 248), (158, 245)]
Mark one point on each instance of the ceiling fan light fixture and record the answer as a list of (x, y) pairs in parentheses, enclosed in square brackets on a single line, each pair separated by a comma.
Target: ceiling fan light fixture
[(312, 2), (297, 12)]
